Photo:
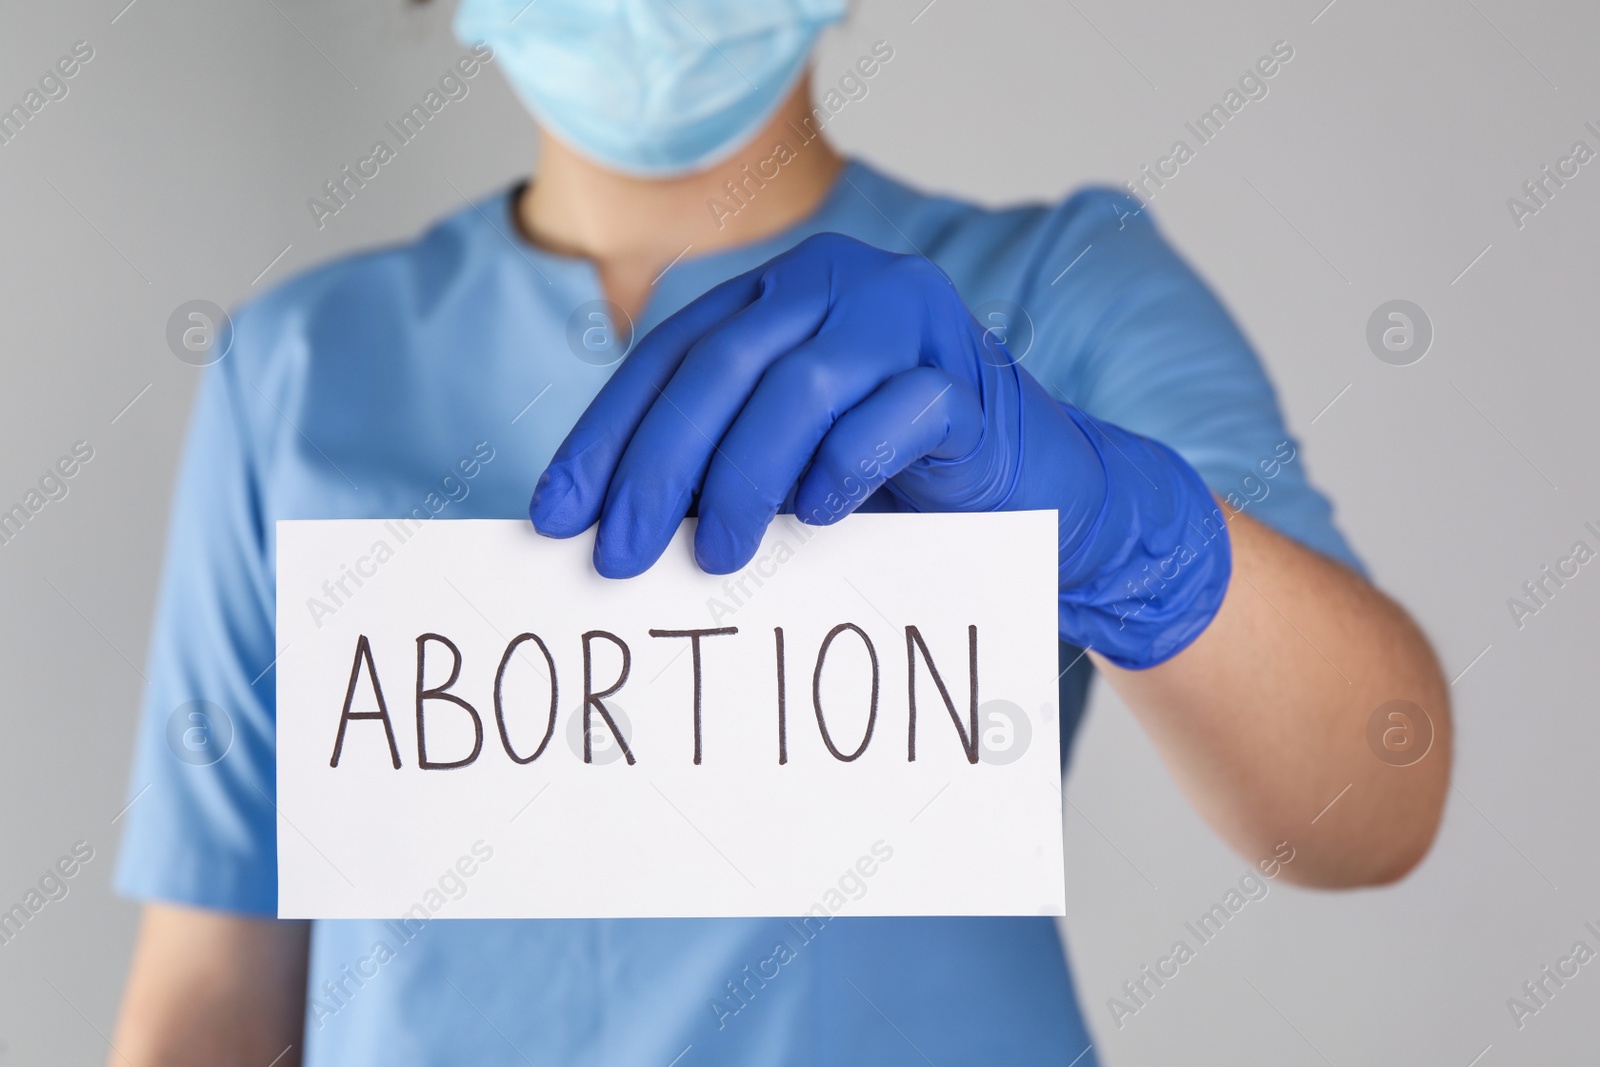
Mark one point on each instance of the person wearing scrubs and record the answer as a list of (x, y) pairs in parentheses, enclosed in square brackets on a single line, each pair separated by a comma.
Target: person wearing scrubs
[(698, 307)]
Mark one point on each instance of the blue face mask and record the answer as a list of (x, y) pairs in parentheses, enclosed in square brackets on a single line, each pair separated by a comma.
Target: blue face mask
[(652, 88)]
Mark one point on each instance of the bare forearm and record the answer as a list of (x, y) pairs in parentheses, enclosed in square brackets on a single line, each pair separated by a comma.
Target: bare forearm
[(1264, 719), (211, 989)]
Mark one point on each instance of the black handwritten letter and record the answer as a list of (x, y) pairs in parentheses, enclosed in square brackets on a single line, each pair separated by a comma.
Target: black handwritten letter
[(816, 690), (694, 637), (439, 693), (783, 723), (499, 708), (969, 736), (591, 699), (364, 653)]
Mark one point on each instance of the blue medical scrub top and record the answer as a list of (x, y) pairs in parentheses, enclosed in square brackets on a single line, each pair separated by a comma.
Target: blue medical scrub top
[(370, 387)]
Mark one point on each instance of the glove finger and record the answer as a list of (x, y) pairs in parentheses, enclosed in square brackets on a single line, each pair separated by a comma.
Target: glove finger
[(572, 490), (799, 399), (664, 464), (919, 413)]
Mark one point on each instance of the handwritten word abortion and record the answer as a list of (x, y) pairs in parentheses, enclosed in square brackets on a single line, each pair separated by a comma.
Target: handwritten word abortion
[(445, 698)]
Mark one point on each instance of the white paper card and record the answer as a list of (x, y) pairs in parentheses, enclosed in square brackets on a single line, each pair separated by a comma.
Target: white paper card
[(770, 820)]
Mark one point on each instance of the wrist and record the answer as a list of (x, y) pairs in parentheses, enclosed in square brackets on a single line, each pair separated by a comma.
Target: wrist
[(1145, 573)]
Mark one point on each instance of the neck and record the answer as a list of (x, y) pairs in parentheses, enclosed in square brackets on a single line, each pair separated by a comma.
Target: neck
[(633, 228)]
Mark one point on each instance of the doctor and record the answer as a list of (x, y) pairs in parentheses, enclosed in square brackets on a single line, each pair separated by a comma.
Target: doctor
[(814, 350)]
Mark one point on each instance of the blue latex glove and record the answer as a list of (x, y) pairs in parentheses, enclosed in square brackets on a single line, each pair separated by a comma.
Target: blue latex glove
[(838, 368)]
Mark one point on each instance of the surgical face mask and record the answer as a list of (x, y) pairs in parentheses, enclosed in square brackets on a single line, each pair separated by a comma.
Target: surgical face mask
[(652, 88)]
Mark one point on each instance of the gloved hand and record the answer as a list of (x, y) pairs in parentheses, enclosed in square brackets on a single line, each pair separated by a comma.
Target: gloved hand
[(836, 368)]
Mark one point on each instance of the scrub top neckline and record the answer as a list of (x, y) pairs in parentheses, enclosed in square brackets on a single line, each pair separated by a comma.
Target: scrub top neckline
[(704, 269)]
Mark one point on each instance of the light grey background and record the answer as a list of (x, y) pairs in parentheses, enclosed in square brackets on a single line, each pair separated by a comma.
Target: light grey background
[(1378, 168)]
